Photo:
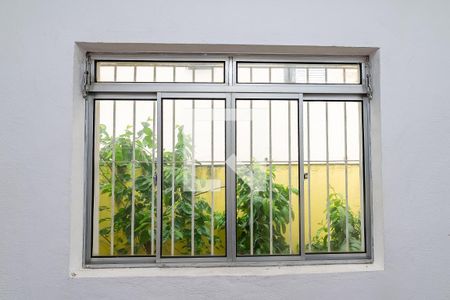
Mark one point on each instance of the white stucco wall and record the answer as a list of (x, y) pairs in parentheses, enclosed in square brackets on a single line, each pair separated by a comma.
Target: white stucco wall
[(41, 133)]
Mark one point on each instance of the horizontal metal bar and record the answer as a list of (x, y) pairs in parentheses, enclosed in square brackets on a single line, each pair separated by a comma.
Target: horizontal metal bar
[(260, 261), (336, 256), (237, 57), (191, 259), (124, 96), (223, 88), (270, 96), (121, 260), (331, 97), (268, 258), (159, 57), (299, 59), (182, 95)]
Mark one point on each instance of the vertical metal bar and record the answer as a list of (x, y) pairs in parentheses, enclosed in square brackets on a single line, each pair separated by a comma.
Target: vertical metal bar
[(347, 241), (159, 177), (113, 179), (154, 73), (212, 177), (153, 180), (309, 176), (366, 214), (230, 150), (115, 73), (301, 180), (133, 178), (172, 228), (328, 178), (231, 70), (134, 73), (96, 206), (290, 177), (270, 180), (89, 179), (361, 174), (193, 183), (252, 183)]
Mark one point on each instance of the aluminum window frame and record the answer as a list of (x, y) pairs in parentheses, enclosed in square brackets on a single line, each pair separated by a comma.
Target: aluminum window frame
[(230, 90)]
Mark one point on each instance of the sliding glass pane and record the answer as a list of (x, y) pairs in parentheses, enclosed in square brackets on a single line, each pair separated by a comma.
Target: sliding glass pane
[(160, 71), (193, 204), (124, 215), (267, 181), (334, 196), (249, 72)]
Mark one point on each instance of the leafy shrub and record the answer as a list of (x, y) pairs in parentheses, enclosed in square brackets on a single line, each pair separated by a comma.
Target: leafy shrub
[(338, 241), (144, 147)]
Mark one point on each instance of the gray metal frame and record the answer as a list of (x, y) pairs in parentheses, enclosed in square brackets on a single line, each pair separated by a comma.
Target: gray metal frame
[(229, 91)]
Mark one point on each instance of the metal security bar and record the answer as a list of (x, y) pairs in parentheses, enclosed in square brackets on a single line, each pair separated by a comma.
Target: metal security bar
[(133, 179), (252, 182), (290, 175), (153, 179), (172, 228), (327, 80), (309, 175), (113, 179), (270, 181), (347, 241), (327, 162), (212, 178), (193, 175)]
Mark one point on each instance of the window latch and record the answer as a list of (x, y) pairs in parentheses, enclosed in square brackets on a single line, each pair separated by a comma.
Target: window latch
[(369, 86), (86, 77), (369, 81)]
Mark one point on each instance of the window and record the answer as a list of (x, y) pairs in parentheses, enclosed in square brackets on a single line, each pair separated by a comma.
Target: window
[(227, 160)]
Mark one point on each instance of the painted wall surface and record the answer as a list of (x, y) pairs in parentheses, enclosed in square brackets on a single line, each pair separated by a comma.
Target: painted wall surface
[(41, 121)]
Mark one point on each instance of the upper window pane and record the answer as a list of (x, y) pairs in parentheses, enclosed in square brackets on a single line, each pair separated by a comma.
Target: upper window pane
[(152, 71), (249, 72)]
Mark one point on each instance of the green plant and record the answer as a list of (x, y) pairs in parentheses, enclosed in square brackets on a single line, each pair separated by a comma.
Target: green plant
[(144, 185), (183, 203), (337, 233), (256, 175), (123, 146), (144, 145)]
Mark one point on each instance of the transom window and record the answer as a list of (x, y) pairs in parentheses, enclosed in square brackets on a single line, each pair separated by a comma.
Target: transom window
[(226, 160)]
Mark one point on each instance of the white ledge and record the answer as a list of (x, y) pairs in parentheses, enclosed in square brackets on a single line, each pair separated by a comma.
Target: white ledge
[(224, 271)]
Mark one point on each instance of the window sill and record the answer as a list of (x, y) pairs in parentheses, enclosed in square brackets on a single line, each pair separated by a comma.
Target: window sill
[(239, 271)]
